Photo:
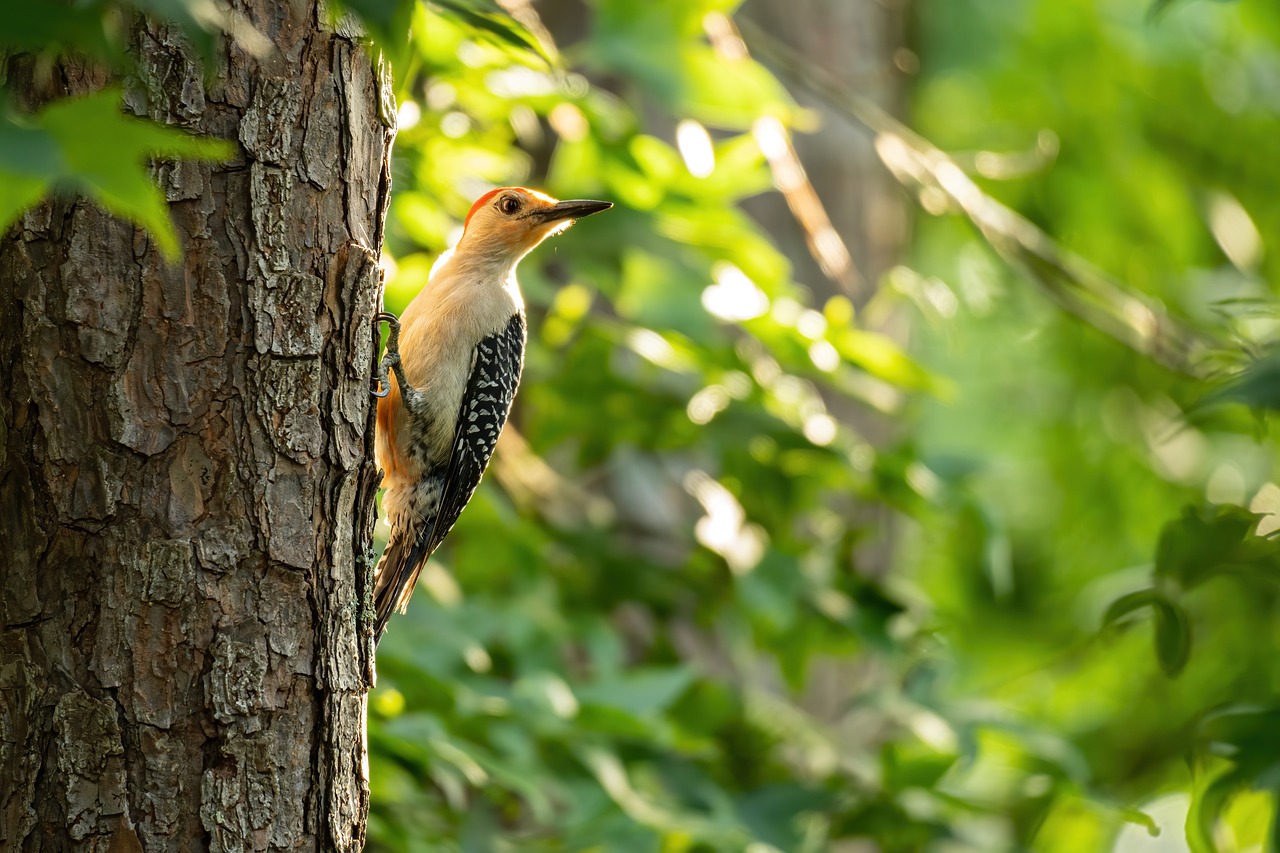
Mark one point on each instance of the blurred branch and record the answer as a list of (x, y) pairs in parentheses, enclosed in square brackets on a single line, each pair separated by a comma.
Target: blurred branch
[(1139, 322), (1004, 166), (789, 176)]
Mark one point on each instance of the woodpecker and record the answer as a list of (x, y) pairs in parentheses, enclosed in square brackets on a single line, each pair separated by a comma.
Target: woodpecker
[(455, 354)]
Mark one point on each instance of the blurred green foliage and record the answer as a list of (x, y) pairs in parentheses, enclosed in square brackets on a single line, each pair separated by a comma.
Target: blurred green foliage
[(1084, 486), (697, 607)]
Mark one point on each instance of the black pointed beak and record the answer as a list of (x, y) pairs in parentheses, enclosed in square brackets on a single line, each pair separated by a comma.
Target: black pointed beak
[(572, 209)]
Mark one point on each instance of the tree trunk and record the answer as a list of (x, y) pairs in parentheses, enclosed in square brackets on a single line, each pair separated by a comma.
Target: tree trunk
[(186, 485)]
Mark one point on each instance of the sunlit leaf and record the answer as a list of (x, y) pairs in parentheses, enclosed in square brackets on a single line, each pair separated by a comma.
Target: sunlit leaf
[(61, 148), (487, 17), (880, 356), (1206, 809)]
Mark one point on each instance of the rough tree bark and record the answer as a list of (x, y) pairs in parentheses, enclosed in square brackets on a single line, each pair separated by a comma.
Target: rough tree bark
[(186, 485)]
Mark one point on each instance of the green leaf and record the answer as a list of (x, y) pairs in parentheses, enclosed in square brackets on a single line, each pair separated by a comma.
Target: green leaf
[(489, 18), (911, 763), (1207, 806), (57, 27), (1173, 636), (1250, 732), (1203, 540), (1173, 629), (1258, 386), (101, 29), (387, 21), (1126, 604), (18, 193), (880, 356), (88, 145)]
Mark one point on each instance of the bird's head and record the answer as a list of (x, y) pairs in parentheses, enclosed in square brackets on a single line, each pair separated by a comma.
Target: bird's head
[(511, 221)]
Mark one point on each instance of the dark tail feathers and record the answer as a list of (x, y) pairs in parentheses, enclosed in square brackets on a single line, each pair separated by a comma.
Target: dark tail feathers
[(395, 576)]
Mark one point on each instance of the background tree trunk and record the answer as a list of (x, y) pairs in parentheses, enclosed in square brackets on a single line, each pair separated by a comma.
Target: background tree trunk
[(186, 490), (861, 45)]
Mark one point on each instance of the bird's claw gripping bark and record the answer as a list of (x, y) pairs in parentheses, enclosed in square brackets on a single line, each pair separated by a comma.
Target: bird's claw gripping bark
[(391, 358), (391, 362)]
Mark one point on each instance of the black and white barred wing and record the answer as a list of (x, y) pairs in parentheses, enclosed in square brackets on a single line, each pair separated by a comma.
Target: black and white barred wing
[(486, 402)]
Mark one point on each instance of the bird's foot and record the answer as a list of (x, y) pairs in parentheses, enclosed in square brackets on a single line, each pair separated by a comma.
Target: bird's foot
[(412, 397), (391, 357)]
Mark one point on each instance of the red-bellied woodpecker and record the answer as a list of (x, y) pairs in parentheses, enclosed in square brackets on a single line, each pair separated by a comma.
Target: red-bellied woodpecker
[(456, 353)]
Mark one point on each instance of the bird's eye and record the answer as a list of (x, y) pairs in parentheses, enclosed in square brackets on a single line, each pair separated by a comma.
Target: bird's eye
[(509, 205)]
